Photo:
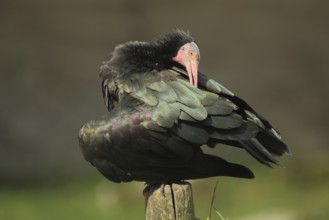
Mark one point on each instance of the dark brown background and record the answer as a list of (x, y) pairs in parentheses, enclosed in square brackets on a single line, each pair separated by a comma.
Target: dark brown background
[(274, 54)]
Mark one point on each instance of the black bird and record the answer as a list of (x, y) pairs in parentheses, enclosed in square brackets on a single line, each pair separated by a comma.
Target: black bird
[(162, 110)]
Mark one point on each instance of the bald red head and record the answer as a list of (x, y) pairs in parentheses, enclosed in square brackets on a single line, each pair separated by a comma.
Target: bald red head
[(188, 55)]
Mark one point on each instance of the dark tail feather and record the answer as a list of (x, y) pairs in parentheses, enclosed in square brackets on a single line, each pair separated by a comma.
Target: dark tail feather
[(259, 152), (272, 144), (264, 147), (209, 165)]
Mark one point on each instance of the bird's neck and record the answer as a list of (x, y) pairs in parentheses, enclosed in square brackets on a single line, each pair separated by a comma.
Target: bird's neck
[(135, 57)]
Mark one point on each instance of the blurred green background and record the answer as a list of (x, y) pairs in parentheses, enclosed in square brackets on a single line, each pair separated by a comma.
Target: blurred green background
[(274, 54)]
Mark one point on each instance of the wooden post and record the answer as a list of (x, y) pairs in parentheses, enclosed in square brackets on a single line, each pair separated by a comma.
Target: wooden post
[(169, 202)]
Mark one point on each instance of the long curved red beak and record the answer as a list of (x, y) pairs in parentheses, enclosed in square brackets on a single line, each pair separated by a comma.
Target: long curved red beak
[(189, 55)]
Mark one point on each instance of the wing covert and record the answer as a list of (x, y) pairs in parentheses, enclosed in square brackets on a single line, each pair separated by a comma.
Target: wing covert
[(205, 115)]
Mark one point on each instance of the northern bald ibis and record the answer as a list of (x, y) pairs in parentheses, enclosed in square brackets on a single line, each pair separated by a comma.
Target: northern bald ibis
[(161, 110)]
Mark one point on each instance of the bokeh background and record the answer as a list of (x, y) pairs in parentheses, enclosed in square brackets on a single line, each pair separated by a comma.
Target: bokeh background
[(274, 54)]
